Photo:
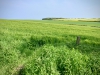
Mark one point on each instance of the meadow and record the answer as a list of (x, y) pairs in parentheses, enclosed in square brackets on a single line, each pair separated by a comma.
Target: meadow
[(48, 47)]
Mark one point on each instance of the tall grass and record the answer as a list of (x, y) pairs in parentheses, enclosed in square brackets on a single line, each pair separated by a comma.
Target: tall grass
[(50, 60), (49, 48)]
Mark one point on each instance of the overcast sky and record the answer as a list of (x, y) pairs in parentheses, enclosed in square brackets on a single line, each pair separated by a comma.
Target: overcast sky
[(38, 9)]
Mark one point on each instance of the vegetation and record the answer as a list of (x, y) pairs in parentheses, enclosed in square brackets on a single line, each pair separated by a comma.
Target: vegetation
[(75, 19), (33, 47), (52, 18)]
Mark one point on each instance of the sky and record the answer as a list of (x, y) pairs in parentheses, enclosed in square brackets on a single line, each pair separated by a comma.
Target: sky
[(38, 9)]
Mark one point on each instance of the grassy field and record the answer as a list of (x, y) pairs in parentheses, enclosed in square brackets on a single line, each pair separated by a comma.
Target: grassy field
[(48, 47)]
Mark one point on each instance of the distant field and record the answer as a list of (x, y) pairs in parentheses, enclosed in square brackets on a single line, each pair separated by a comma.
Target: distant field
[(48, 47), (91, 22), (75, 19)]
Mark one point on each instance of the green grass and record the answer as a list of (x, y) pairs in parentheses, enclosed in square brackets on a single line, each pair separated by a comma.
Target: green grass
[(33, 47)]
